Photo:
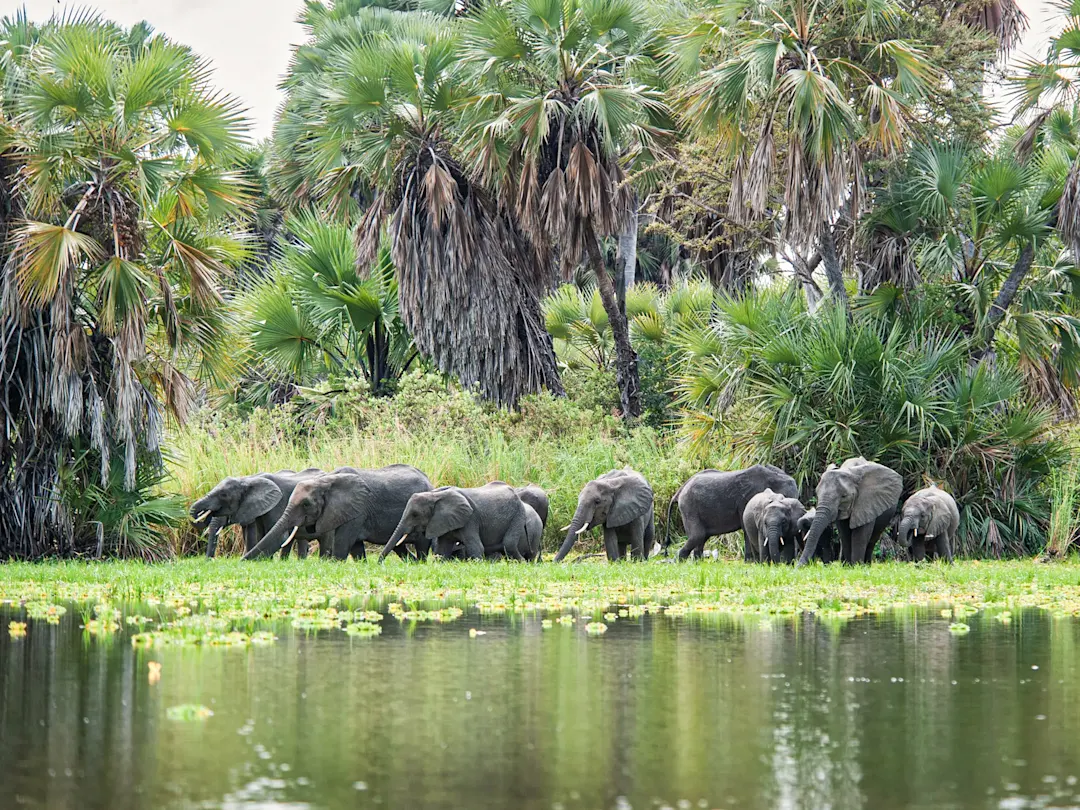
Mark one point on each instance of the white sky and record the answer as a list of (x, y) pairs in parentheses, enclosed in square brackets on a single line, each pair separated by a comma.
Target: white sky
[(249, 41)]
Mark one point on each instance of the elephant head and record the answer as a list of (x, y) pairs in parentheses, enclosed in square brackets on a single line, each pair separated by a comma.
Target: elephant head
[(612, 500), (779, 519), (320, 504), (234, 501), (432, 514), (858, 491)]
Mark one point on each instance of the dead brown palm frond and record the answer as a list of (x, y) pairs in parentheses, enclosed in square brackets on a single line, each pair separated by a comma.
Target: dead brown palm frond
[(1025, 144), (440, 193), (759, 172), (1069, 208)]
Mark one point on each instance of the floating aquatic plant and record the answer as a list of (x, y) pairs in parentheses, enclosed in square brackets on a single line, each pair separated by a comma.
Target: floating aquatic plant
[(595, 628), (959, 628), (16, 629), (188, 713)]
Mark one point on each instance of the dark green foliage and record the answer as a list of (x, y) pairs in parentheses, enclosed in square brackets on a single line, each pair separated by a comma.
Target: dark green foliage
[(804, 392)]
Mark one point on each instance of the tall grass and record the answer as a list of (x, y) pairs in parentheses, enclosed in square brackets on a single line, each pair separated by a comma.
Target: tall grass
[(447, 433)]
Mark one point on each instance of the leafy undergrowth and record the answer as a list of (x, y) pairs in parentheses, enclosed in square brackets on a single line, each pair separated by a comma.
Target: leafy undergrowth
[(232, 603)]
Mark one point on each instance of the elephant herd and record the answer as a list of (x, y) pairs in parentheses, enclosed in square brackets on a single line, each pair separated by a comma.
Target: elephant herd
[(398, 509)]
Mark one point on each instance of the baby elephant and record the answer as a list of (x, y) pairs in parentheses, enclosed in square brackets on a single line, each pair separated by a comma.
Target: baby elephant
[(929, 515), (481, 521), (771, 525)]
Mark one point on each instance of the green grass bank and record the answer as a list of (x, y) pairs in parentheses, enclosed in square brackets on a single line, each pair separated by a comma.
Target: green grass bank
[(249, 592)]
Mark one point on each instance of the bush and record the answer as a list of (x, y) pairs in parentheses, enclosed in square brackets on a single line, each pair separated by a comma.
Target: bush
[(450, 434), (780, 386)]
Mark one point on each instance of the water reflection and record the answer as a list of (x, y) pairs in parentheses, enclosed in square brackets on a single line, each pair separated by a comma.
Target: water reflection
[(878, 713)]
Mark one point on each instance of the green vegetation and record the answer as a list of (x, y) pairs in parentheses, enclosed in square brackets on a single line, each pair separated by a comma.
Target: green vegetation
[(783, 234), (228, 602), (452, 435)]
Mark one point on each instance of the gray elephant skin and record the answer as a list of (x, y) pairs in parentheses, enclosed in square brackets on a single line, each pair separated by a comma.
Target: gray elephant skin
[(860, 497), (771, 525), (346, 509), (621, 501), (480, 521), (928, 524), (253, 502), (713, 502), (536, 512), (826, 550)]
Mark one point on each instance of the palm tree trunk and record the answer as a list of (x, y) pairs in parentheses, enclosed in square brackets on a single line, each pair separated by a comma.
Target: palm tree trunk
[(1008, 292), (626, 255), (833, 272), (626, 369)]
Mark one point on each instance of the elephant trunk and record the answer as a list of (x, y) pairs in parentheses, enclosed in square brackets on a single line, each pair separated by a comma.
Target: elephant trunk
[(272, 541), (824, 517), (395, 538), (772, 535), (216, 524), (577, 527), (907, 525)]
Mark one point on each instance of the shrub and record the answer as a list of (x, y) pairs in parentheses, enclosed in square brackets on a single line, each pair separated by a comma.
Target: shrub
[(780, 386)]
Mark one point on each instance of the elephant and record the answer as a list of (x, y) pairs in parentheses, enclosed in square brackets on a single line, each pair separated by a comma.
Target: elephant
[(535, 497), (826, 549), (771, 525), (253, 502), (933, 512), (534, 534), (713, 502), (482, 521), (860, 497), (622, 502), (347, 508)]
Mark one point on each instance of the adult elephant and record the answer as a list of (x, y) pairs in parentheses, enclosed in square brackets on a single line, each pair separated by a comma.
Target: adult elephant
[(771, 526), (346, 509), (253, 502), (621, 501), (929, 515), (860, 497), (535, 497), (481, 521), (713, 502)]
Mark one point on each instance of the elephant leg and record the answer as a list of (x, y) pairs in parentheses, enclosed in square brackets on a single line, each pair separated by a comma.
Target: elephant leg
[(302, 548), (918, 549), (358, 550), (787, 550), (611, 545), (844, 532), (695, 544), (635, 539), (403, 552), (474, 547), (944, 547), (423, 548), (860, 541), (515, 540), (251, 536)]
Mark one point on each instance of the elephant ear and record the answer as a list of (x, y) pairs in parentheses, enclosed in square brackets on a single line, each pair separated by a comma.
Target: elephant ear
[(940, 515), (348, 496), (632, 500), (260, 496), (452, 511), (878, 489)]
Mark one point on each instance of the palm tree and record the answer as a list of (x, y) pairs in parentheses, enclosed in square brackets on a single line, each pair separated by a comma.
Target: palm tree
[(379, 137), (982, 225), (567, 104), (801, 96), (319, 314), (120, 213)]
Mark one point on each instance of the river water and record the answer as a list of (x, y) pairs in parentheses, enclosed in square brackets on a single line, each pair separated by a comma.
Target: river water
[(877, 712)]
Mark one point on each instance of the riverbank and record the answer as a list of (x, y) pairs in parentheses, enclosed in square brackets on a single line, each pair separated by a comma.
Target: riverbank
[(249, 592)]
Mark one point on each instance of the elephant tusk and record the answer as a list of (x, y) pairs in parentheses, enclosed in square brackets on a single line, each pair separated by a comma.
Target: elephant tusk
[(583, 529), (291, 536), (203, 516), (567, 526), (402, 540)]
